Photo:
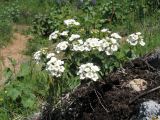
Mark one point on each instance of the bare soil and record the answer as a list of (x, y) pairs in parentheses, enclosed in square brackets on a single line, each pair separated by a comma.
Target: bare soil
[(110, 99), (14, 50)]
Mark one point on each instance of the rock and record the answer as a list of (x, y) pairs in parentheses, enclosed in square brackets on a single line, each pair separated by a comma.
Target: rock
[(149, 110), (154, 58), (137, 85)]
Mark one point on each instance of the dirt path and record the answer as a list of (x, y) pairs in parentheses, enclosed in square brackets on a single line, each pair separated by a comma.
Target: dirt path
[(14, 50)]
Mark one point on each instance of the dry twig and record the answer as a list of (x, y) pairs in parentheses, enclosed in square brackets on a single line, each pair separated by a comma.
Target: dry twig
[(100, 101), (145, 93)]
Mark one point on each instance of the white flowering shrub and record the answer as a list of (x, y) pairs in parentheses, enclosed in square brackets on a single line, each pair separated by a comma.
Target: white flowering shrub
[(79, 55), (102, 49)]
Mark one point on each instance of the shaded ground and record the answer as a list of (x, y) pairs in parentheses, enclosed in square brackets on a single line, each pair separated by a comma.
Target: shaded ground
[(110, 99), (14, 50)]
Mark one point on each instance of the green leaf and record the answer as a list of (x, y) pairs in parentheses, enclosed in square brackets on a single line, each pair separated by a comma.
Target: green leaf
[(8, 73), (13, 93), (28, 102), (25, 70)]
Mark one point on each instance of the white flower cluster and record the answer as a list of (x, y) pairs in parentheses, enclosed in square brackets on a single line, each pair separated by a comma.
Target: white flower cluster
[(89, 71), (56, 34), (113, 46), (54, 66), (91, 44), (108, 45), (105, 30), (78, 45), (116, 36), (37, 56), (50, 55), (64, 33), (135, 39), (74, 37), (62, 46), (71, 22)]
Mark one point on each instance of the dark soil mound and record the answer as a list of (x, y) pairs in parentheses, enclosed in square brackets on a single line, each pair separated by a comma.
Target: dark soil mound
[(111, 99)]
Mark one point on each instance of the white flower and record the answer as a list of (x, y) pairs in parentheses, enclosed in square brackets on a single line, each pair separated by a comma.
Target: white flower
[(109, 51), (103, 44), (112, 47), (116, 36), (104, 30), (50, 55), (142, 43), (71, 22), (113, 41), (91, 43), (62, 46), (77, 45), (76, 23), (73, 37), (37, 56), (88, 71), (78, 48), (53, 35), (80, 41), (52, 60), (64, 33), (55, 67), (138, 33), (135, 38)]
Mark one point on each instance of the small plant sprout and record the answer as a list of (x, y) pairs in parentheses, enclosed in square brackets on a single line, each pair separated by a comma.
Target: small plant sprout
[(136, 38), (89, 71)]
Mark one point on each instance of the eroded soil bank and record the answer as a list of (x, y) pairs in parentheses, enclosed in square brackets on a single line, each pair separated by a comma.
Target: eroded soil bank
[(14, 50), (110, 99)]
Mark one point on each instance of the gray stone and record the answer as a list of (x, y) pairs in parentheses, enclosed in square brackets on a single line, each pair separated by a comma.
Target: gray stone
[(148, 110)]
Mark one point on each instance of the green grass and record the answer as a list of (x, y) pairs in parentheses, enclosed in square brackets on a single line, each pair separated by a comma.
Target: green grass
[(5, 32), (24, 92)]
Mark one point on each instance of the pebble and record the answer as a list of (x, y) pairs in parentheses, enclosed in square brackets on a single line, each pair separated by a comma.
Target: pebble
[(137, 85)]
